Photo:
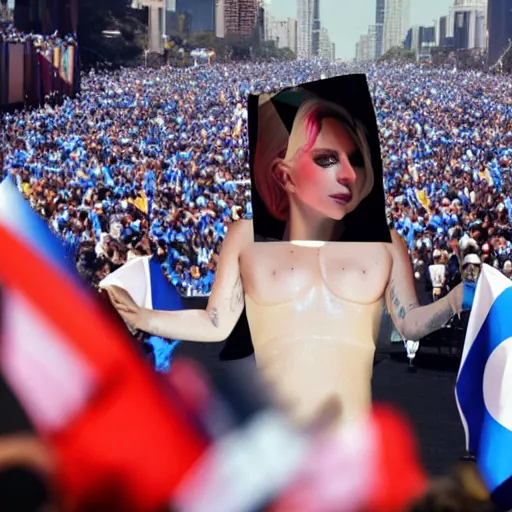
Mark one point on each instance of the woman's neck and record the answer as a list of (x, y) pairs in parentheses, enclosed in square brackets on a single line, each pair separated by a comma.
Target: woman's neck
[(305, 224)]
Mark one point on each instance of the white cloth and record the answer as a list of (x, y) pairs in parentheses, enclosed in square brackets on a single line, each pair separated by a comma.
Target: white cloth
[(437, 274)]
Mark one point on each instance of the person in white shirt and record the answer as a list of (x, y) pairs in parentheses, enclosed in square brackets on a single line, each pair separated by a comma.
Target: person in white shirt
[(437, 273)]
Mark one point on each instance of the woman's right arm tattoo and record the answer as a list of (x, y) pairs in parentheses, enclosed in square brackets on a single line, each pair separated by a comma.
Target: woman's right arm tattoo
[(214, 317)]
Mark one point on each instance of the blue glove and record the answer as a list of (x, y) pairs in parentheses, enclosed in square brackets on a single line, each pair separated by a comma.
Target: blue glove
[(468, 295)]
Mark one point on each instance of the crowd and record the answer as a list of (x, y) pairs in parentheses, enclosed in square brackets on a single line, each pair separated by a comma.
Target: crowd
[(10, 34), (151, 161)]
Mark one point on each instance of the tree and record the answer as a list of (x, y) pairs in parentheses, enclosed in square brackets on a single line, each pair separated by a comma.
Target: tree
[(95, 17), (398, 53), (286, 54), (268, 50)]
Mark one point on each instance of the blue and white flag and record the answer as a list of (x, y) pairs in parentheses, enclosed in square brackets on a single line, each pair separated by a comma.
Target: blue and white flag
[(144, 280), (484, 383)]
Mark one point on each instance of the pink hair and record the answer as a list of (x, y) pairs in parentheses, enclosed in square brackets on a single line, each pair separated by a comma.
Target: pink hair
[(272, 145), (312, 127)]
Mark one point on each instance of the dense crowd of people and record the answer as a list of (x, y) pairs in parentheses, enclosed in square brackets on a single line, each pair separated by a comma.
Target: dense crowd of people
[(10, 34), (155, 162), (151, 161)]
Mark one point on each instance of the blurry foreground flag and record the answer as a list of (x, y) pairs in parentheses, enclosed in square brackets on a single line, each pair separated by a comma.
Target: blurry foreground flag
[(372, 465), (484, 383), (120, 442)]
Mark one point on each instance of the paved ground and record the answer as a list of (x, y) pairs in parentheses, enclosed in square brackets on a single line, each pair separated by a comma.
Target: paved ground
[(427, 397)]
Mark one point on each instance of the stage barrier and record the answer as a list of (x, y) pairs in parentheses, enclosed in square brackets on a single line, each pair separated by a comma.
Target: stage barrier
[(30, 74)]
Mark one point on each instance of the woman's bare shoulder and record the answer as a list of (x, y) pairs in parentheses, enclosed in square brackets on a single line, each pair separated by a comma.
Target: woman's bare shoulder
[(240, 233), (240, 227), (397, 242)]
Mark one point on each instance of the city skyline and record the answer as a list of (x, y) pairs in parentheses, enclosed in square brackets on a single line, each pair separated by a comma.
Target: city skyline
[(346, 23)]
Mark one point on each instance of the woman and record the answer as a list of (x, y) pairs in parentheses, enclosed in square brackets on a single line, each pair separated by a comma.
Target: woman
[(313, 304)]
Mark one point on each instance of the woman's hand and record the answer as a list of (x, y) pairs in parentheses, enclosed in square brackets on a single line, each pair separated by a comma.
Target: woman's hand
[(130, 312), (462, 296)]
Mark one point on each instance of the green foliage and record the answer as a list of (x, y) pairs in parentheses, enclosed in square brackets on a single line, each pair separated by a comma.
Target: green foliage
[(398, 53), (233, 47), (97, 16)]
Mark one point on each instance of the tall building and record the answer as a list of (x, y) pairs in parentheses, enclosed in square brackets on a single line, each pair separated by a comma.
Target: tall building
[(396, 23), (380, 9), (469, 18), (443, 30), (420, 40), (372, 42), (158, 19), (260, 21), (315, 41), (363, 49), (325, 48), (201, 12), (240, 17), (282, 32), (366, 48), (220, 28), (499, 22), (305, 11)]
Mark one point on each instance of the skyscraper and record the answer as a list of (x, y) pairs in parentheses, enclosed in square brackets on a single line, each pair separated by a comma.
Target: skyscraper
[(315, 42), (305, 12), (396, 23), (469, 23), (202, 14), (283, 32), (499, 23), (443, 20), (220, 29), (240, 16), (380, 8), (326, 48)]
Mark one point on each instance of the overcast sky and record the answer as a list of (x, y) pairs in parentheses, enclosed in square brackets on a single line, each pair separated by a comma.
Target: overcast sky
[(346, 20)]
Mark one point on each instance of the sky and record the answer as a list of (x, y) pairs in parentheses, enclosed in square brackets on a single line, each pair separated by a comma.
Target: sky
[(346, 20)]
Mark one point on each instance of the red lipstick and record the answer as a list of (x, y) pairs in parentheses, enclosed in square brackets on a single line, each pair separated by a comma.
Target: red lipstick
[(342, 198)]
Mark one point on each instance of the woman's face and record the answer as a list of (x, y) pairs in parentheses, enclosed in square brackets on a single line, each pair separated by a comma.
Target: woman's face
[(330, 177)]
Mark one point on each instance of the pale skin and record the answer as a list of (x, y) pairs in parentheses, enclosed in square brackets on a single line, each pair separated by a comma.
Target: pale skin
[(314, 308), (314, 314)]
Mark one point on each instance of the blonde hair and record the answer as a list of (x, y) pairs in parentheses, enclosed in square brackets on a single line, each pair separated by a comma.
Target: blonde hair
[(274, 142)]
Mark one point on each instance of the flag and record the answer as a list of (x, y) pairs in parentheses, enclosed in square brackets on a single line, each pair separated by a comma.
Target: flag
[(484, 383), (144, 280), (357, 469), (141, 202), (115, 432)]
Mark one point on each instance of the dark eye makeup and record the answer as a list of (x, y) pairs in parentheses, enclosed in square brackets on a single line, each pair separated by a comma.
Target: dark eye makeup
[(326, 159)]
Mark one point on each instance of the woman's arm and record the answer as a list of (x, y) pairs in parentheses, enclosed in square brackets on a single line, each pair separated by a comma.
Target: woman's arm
[(225, 304), (413, 321)]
